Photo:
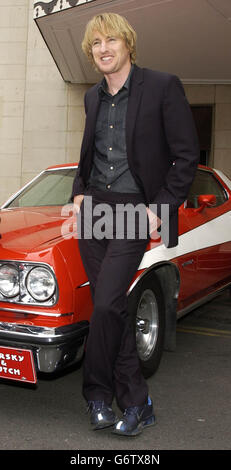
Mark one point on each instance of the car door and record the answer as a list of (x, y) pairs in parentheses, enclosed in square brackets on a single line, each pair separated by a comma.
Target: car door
[(207, 266)]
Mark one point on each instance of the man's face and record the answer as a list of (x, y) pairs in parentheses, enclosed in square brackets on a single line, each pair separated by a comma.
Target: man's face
[(110, 53)]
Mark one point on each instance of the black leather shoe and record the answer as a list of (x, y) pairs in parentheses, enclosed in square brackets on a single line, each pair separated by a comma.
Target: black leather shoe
[(102, 415), (135, 418)]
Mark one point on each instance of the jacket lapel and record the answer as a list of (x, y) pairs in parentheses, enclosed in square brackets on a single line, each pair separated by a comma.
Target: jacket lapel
[(135, 95)]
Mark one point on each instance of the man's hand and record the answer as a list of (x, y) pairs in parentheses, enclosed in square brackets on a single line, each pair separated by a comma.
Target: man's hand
[(77, 203), (154, 221)]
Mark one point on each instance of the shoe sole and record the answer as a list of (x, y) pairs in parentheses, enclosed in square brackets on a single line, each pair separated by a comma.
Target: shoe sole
[(97, 427), (144, 424)]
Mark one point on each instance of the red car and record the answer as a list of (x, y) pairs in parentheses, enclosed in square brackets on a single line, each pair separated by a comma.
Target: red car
[(45, 302)]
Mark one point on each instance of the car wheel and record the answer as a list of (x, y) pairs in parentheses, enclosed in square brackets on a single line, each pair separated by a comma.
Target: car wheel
[(146, 305)]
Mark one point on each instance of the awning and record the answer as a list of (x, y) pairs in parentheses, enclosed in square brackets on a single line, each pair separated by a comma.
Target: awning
[(190, 38)]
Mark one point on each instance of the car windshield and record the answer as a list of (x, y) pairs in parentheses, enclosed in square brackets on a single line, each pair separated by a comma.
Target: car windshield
[(51, 188)]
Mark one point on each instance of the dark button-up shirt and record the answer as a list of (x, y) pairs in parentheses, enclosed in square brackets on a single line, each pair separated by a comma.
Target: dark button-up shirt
[(110, 170)]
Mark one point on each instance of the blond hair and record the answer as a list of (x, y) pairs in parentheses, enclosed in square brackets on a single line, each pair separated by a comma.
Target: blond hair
[(107, 24)]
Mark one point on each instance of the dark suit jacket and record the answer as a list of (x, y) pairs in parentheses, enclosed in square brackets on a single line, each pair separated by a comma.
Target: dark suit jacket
[(162, 143)]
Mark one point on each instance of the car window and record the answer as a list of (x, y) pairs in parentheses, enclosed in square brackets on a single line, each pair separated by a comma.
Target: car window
[(51, 188), (205, 183)]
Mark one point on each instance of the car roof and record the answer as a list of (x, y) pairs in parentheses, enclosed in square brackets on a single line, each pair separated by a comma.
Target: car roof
[(63, 165)]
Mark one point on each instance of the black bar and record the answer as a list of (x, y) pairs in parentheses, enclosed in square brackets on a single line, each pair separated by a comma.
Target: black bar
[(108, 458)]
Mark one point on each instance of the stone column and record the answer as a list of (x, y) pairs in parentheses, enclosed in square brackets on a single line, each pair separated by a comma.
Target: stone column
[(13, 58)]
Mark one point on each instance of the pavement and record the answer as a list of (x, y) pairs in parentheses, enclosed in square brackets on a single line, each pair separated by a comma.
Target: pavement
[(191, 392)]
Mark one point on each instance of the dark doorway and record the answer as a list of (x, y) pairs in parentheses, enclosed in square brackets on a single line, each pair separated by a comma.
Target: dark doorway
[(203, 117)]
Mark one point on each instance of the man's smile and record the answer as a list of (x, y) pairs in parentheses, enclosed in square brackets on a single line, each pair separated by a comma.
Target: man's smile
[(106, 58)]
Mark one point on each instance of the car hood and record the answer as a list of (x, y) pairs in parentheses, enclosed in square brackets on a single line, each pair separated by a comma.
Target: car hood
[(25, 229)]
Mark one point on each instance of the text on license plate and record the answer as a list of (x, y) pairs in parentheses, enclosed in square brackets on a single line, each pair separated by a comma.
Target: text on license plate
[(17, 364)]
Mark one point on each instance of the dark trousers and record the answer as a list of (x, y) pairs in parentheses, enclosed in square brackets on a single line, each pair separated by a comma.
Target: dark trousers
[(111, 365)]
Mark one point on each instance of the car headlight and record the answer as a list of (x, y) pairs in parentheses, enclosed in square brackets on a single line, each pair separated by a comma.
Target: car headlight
[(40, 283), (9, 280)]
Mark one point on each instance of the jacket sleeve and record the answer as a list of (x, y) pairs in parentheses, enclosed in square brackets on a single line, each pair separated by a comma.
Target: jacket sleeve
[(183, 144), (78, 184)]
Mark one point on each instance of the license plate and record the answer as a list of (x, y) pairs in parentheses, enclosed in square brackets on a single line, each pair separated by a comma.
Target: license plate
[(17, 364)]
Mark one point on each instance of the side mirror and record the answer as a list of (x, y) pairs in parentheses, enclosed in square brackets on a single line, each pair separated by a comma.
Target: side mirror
[(205, 200)]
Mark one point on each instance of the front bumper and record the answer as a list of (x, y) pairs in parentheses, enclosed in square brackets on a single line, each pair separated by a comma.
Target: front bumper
[(53, 348)]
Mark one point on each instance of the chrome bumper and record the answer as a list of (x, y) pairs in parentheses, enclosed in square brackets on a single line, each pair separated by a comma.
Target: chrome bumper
[(53, 348)]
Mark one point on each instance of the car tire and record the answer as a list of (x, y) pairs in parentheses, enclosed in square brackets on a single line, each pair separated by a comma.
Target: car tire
[(146, 307)]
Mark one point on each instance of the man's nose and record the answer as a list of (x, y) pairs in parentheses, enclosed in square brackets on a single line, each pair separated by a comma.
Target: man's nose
[(103, 46)]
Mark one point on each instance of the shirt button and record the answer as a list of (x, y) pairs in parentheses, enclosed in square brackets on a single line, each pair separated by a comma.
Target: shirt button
[(111, 167), (111, 127), (110, 148), (108, 186), (113, 105)]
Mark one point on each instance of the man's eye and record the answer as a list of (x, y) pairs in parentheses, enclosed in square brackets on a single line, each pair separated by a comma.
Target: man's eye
[(111, 39), (95, 43)]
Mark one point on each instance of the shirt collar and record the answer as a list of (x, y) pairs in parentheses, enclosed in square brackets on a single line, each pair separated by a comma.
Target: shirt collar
[(103, 84)]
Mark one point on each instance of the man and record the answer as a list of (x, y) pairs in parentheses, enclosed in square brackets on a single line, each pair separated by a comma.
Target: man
[(139, 147)]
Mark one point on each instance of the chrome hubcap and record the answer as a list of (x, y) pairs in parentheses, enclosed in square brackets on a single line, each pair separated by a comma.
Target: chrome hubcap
[(146, 324)]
